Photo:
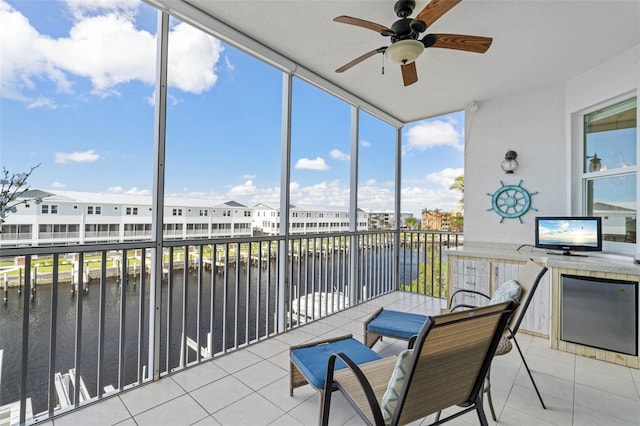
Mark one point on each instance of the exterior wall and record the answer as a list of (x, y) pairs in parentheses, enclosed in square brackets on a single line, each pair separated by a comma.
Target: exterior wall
[(532, 124), (538, 125)]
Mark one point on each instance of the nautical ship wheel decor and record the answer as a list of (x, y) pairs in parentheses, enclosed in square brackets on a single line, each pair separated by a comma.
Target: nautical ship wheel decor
[(511, 201)]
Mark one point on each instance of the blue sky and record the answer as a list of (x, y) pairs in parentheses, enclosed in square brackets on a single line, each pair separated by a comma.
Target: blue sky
[(77, 98)]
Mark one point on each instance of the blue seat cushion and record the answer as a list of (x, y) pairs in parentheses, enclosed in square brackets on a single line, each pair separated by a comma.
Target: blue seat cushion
[(401, 325), (312, 360)]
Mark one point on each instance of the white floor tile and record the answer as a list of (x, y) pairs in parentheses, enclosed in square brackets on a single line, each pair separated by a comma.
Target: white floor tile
[(252, 410), (268, 348), (217, 395), (151, 395), (107, 412), (237, 360), (261, 374), (610, 405), (182, 410), (195, 377)]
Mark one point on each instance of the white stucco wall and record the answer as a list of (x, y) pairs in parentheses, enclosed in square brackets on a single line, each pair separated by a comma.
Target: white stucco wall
[(537, 125), (531, 124)]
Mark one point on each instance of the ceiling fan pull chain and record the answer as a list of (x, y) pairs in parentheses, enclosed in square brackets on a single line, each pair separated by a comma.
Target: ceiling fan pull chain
[(383, 64)]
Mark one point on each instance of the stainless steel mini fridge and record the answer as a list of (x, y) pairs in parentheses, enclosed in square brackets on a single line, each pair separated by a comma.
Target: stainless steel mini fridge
[(600, 313)]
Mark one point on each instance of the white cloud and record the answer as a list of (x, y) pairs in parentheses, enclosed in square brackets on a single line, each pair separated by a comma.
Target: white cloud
[(242, 191), (104, 46), (416, 198), (80, 8), (193, 58), (58, 185), (339, 155), (133, 191), (444, 177), (115, 190), (137, 191), (248, 177), (42, 102), (308, 164), (365, 144), (76, 157), (373, 197), (433, 192), (434, 132), (106, 49), (328, 194)]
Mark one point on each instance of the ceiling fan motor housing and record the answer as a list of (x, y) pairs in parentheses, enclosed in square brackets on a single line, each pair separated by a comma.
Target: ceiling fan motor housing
[(404, 8), (402, 30)]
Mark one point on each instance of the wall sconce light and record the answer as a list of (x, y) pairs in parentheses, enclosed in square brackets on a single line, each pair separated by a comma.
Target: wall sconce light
[(595, 165), (510, 164)]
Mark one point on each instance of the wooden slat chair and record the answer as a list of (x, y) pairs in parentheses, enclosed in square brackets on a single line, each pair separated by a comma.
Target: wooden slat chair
[(444, 367), (529, 278)]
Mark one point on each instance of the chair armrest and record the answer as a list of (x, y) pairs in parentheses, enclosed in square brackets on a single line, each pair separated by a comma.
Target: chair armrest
[(467, 291), (412, 342), (462, 305), (362, 381), (319, 342)]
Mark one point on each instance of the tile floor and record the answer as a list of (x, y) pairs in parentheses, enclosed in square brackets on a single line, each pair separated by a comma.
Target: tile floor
[(251, 386)]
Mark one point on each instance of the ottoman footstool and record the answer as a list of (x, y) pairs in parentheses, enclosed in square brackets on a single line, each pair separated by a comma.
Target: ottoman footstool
[(308, 362)]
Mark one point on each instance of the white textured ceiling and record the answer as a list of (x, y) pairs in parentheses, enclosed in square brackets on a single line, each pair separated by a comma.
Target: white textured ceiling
[(536, 43)]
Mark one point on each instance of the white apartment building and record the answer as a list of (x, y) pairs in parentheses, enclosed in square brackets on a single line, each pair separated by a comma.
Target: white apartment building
[(266, 220), (53, 217), (68, 217)]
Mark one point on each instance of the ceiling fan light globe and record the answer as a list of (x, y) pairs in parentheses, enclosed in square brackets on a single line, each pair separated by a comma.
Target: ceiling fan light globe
[(404, 51)]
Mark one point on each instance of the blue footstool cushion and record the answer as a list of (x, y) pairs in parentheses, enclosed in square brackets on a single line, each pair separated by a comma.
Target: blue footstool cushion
[(401, 325), (312, 360)]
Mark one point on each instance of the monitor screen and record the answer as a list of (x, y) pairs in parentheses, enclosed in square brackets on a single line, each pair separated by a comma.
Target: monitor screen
[(569, 233)]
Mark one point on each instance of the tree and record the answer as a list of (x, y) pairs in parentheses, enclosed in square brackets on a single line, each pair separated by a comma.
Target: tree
[(13, 187), (411, 222), (456, 223), (432, 275), (458, 185)]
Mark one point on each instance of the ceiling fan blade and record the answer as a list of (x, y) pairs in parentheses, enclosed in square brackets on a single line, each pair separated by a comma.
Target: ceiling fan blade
[(361, 58), (409, 73), (467, 43), (434, 10), (364, 24)]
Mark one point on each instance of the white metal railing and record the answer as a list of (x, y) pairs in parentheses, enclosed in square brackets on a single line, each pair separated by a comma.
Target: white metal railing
[(215, 296)]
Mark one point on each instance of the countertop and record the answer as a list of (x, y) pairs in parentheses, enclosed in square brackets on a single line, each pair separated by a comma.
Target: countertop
[(601, 262)]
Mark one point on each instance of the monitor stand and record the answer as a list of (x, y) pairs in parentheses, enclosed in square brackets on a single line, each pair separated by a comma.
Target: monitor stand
[(567, 253)]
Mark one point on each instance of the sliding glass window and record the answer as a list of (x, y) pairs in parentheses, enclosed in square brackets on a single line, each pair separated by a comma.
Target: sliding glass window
[(609, 172)]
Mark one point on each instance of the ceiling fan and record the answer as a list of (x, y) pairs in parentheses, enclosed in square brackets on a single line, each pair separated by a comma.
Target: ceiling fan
[(404, 33)]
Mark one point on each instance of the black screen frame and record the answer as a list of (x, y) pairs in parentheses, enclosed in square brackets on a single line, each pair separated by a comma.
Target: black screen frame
[(568, 249)]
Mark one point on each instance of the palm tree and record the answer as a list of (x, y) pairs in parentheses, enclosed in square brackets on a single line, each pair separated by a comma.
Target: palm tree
[(458, 184), (411, 222), (424, 215)]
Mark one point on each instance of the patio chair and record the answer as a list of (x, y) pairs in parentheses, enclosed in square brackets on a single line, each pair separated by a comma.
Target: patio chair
[(528, 279), (404, 325), (445, 366)]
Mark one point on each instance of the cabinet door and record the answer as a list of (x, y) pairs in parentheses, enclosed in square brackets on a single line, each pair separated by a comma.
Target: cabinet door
[(475, 277), (458, 276), (537, 318)]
